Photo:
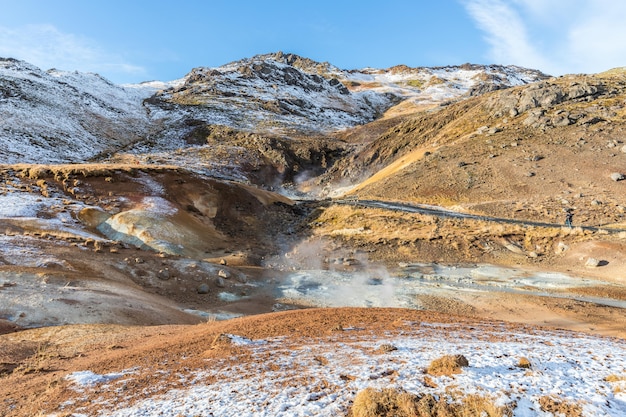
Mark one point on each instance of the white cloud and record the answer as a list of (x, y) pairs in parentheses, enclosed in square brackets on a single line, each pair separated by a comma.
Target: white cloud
[(47, 47), (557, 37)]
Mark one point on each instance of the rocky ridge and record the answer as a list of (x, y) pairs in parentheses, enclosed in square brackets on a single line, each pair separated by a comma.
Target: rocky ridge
[(58, 116)]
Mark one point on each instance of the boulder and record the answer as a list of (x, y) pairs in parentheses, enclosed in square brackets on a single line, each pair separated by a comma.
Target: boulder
[(163, 274), (92, 217), (203, 289), (561, 247)]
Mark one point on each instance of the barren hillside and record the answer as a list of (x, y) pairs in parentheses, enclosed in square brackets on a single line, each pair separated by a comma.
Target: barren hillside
[(177, 264)]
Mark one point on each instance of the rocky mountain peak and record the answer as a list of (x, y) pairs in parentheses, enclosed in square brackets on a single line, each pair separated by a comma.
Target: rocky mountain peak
[(80, 116), (306, 65)]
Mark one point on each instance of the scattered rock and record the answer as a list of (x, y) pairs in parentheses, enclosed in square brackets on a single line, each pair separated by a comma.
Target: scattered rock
[(92, 217), (386, 348), (514, 247), (283, 307), (163, 274), (561, 247), (220, 283), (224, 274), (203, 289), (592, 263), (617, 176)]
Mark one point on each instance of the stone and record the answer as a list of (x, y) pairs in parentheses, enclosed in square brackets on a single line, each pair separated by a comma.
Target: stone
[(617, 176), (561, 247), (203, 289), (92, 217), (220, 283), (592, 263), (163, 274), (224, 274)]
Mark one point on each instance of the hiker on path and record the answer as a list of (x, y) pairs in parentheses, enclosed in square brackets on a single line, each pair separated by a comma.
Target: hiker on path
[(568, 219)]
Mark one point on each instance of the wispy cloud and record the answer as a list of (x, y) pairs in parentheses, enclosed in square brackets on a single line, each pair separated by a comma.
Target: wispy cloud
[(47, 47), (557, 37)]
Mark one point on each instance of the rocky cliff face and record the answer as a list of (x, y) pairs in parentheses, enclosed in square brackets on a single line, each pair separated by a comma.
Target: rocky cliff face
[(562, 102)]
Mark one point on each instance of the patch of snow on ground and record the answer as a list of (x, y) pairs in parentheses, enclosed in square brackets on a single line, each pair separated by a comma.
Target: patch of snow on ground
[(87, 378), (20, 205), (322, 378)]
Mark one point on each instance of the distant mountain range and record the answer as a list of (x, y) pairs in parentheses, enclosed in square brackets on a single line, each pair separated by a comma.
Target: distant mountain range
[(61, 116)]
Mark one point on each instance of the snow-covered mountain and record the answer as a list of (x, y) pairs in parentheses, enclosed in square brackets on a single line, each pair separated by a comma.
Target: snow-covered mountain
[(54, 116), (57, 116)]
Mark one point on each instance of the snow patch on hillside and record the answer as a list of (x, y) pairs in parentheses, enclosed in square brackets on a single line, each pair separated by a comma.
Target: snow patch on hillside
[(321, 378), (59, 116)]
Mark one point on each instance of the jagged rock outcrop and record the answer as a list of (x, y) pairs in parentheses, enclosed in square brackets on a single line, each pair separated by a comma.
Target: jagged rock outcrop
[(559, 102)]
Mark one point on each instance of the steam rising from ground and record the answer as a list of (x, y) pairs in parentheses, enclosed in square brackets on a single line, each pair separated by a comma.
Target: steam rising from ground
[(319, 273), (329, 276)]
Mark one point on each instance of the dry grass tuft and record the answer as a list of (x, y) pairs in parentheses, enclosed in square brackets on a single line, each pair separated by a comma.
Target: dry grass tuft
[(447, 365), (524, 363), (560, 407), (618, 382), (390, 402)]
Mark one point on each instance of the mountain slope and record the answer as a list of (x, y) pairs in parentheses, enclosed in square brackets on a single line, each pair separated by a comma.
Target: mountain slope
[(531, 150), (57, 116)]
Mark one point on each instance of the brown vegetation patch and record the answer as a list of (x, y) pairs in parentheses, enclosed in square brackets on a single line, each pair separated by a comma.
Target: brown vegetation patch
[(390, 402), (558, 406), (524, 363), (447, 365)]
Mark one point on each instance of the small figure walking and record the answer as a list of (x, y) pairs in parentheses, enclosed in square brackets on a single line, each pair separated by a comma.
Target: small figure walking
[(568, 219)]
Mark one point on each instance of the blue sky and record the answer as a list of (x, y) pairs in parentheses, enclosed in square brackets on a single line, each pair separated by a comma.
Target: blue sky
[(137, 40)]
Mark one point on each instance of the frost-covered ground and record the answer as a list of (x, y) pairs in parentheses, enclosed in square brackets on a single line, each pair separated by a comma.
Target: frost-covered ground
[(56, 116), (320, 377), (436, 85)]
